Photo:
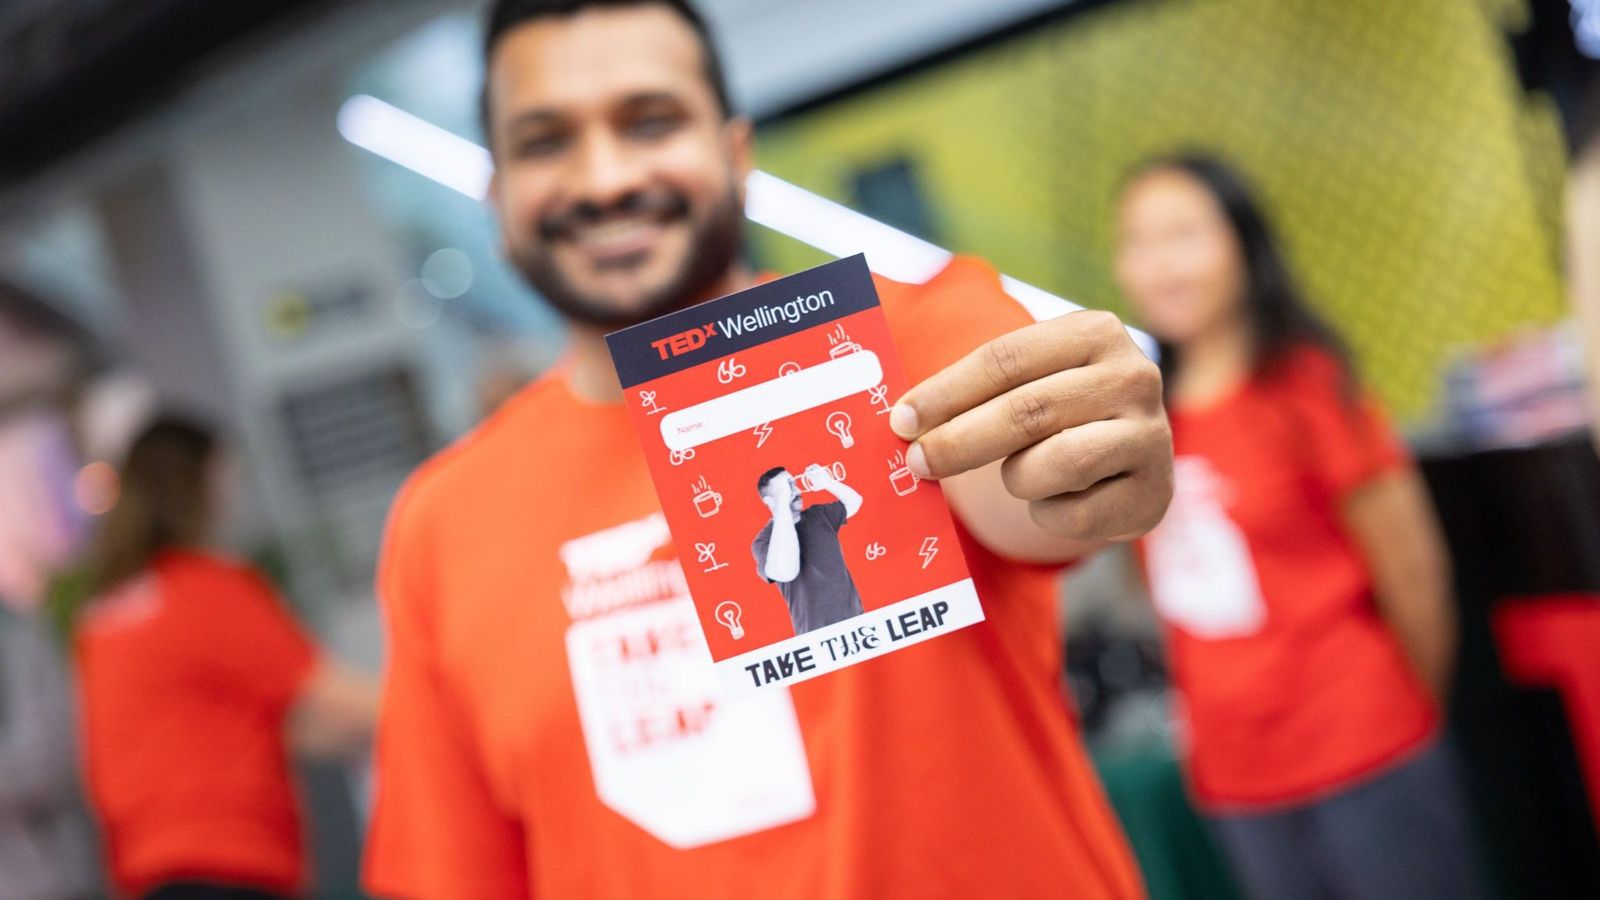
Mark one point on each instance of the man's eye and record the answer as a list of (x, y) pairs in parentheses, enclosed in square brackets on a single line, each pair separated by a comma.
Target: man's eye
[(539, 145), (653, 125)]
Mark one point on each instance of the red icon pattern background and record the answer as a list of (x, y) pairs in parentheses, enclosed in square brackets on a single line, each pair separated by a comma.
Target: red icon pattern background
[(902, 542)]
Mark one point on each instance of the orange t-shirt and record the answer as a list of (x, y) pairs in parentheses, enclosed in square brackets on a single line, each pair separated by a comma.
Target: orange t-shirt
[(551, 725), (186, 675), (1292, 683)]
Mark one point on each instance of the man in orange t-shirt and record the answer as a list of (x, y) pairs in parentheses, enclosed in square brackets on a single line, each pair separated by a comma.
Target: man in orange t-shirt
[(551, 724)]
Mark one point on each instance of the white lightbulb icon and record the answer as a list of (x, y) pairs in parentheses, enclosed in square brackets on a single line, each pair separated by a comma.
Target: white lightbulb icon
[(839, 424), (729, 613)]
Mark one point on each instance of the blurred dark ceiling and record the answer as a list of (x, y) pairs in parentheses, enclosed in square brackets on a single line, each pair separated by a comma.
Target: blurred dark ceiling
[(73, 70)]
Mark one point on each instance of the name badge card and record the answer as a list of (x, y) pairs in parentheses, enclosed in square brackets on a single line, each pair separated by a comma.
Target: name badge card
[(807, 543)]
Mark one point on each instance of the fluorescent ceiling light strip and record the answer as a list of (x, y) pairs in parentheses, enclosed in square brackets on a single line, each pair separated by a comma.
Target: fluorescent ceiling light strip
[(837, 229), (1042, 305), (416, 144), (459, 164)]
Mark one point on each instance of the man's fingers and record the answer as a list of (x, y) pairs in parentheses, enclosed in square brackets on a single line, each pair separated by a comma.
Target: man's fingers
[(1037, 411), (1003, 425), (1004, 363), (1079, 458), (1115, 509)]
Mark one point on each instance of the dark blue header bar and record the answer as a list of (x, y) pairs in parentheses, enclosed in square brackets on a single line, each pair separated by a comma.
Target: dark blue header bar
[(766, 312)]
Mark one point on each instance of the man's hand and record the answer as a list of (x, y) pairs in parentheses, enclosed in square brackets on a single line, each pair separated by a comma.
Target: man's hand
[(819, 477), (1071, 411), (822, 478), (779, 493)]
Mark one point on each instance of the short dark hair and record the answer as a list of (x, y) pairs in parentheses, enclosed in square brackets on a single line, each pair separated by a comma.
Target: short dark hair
[(768, 475), (505, 15)]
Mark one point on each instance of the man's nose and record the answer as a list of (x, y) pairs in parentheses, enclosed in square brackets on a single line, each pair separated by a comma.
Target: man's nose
[(607, 170)]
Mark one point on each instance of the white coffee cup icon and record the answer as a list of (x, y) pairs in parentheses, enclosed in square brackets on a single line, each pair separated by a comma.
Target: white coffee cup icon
[(707, 503), (901, 478)]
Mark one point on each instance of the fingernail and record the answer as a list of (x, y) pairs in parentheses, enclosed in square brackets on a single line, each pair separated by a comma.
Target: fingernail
[(916, 461), (903, 420)]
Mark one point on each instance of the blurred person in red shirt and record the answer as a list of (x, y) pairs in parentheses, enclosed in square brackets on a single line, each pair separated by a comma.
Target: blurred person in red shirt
[(550, 727), (1300, 569), (194, 682)]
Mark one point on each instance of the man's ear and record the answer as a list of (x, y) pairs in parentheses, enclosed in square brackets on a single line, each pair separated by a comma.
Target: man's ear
[(491, 200)]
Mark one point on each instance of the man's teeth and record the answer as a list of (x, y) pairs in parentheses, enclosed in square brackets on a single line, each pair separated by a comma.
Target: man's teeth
[(613, 232)]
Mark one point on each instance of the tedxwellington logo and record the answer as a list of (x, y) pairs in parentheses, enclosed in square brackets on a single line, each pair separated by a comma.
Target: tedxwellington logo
[(734, 326), (684, 341)]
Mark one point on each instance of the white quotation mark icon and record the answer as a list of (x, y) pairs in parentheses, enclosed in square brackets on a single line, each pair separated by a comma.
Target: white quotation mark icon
[(729, 614), (930, 549), (876, 550), (728, 370)]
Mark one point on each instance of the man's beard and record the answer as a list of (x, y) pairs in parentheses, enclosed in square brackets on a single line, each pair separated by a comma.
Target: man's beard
[(714, 243)]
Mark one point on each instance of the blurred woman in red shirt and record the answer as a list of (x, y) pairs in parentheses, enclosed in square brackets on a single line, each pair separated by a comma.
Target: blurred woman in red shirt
[(192, 673), (1300, 570)]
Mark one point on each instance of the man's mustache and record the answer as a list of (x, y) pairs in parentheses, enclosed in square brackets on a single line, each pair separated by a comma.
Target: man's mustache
[(660, 205)]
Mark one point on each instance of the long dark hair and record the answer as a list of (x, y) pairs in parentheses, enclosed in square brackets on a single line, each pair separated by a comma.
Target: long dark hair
[(1280, 319), (163, 500)]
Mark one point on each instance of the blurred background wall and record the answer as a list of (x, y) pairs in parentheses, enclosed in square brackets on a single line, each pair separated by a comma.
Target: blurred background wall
[(1417, 182)]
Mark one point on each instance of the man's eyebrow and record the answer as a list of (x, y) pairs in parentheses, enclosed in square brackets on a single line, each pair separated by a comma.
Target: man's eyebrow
[(550, 116), (534, 117), (645, 98)]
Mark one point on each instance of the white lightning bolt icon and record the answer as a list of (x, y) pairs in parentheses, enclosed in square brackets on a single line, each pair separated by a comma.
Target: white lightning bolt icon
[(762, 432), (930, 549)]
